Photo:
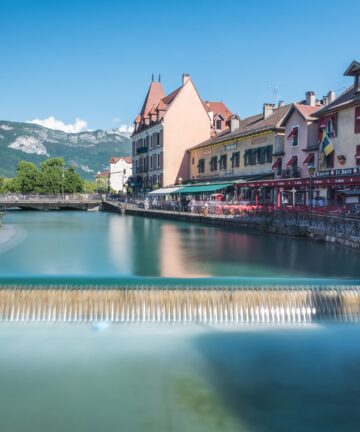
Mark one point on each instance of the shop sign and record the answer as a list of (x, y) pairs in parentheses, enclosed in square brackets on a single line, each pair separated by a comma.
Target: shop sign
[(338, 172), (232, 146)]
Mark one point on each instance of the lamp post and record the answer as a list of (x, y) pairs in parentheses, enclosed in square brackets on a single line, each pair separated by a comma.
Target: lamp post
[(311, 172)]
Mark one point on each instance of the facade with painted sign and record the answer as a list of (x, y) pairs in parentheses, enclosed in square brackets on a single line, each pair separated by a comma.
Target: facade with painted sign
[(243, 152)]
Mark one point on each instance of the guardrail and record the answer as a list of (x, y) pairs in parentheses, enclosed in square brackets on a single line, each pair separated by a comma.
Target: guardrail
[(11, 198)]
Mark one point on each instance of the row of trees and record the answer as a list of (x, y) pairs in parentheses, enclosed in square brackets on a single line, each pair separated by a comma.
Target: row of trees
[(53, 177)]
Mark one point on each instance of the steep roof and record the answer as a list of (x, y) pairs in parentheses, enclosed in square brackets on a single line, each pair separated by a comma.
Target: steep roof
[(153, 97), (306, 111), (347, 99), (251, 125), (218, 108)]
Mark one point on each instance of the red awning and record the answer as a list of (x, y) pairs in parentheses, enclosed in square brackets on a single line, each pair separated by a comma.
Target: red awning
[(309, 159), (293, 133), (277, 164), (292, 161)]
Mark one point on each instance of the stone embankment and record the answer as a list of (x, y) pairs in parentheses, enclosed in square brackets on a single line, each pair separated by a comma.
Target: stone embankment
[(333, 229)]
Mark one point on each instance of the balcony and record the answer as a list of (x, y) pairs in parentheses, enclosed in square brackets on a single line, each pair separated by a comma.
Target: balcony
[(142, 150)]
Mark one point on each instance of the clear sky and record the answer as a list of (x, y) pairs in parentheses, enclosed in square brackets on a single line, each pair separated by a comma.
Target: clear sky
[(93, 60)]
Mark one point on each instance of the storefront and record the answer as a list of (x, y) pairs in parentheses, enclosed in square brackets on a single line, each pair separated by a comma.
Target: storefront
[(324, 189)]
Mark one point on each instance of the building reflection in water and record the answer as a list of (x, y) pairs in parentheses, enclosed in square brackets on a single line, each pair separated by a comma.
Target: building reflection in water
[(120, 241)]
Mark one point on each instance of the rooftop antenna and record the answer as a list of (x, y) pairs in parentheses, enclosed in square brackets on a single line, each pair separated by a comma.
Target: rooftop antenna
[(274, 89), (159, 78), (152, 77)]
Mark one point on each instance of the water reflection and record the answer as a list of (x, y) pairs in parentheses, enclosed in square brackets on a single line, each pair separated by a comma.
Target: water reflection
[(109, 244)]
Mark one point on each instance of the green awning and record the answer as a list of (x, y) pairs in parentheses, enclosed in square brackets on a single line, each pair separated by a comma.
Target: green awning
[(197, 189)]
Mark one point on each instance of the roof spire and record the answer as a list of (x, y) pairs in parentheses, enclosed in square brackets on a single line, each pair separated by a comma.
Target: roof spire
[(159, 77), (152, 78)]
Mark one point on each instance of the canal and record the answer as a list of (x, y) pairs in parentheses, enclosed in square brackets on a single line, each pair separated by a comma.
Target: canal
[(103, 244), (79, 377)]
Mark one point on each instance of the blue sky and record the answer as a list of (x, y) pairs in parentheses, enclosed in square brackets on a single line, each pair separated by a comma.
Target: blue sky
[(93, 60)]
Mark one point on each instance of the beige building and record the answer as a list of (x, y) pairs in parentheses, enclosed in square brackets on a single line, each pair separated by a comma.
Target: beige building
[(245, 151), (165, 128), (341, 120)]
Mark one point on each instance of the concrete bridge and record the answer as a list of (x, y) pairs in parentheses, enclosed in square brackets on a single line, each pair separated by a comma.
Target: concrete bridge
[(51, 202)]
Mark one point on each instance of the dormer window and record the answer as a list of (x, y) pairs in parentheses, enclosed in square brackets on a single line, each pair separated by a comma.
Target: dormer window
[(218, 124)]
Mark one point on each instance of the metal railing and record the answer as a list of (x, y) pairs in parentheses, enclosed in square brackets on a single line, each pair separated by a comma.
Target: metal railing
[(11, 198)]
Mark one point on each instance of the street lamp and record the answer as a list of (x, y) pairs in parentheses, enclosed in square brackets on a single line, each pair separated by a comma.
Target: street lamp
[(311, 172)]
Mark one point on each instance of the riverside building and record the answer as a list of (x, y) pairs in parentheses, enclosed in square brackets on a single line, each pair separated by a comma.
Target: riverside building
[(243, 152), (119, 173), (166, 127)]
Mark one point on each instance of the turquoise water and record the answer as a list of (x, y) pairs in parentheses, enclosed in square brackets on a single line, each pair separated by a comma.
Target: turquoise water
[(171, 378), (179, 378), (101, 244)]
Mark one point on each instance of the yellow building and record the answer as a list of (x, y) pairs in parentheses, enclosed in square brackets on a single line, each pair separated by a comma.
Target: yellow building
[(247, 150)]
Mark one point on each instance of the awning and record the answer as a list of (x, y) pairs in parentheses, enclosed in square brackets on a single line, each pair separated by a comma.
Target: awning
[(292, 161), (277, 164), (165, 191), (196, 189), (309, 159)]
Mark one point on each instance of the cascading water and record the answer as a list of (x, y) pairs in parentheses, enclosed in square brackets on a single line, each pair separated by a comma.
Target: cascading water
[(189, 302)]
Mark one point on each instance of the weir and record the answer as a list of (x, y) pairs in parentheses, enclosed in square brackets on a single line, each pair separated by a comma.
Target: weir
[(185, 301)]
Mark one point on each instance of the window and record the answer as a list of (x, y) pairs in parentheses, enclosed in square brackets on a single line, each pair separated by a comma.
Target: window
[(357, 156), (357, 119), (294, 136), (218, 124), (201, 166), (192, 161), (329, 160), (157, 139), (158, 161), (223, 161), (253, 156), (329, 123), (269, 154), (213, 163), (261, 155), (151, 162), (235, 160)]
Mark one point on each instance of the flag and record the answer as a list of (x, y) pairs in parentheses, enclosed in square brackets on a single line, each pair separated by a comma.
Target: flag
[(326, 146)]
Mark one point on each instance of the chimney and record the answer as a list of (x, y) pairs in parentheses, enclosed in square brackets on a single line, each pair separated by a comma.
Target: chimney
[(325, 100), (281, 104), (310, 98), (185, 78), (268, 110), (331, 96), (234, 122)]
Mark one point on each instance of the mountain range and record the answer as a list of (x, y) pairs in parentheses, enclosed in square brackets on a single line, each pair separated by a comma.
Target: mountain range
[(88, 151)]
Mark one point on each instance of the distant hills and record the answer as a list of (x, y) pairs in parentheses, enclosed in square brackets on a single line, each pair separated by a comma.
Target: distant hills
[(89, 152)]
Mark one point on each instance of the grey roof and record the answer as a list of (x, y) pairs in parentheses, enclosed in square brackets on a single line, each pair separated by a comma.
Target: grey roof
[(348, 98), (250, 126)]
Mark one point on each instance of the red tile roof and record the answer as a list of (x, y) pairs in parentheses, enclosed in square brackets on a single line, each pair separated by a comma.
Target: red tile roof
[(101, 174), (307, 110), (218, 108), (127, 159)]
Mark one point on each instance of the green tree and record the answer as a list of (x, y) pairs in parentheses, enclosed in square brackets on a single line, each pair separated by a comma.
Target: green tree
[(72, 181), (52, 175), (90, 187), (28, 178)]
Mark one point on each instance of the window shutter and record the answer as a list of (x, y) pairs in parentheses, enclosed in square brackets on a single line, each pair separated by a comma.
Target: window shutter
[(322, 124), (334, 118), (357, 119)]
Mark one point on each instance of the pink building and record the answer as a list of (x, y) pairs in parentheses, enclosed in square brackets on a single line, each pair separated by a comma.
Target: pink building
[(165, 128), (301, 140)]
